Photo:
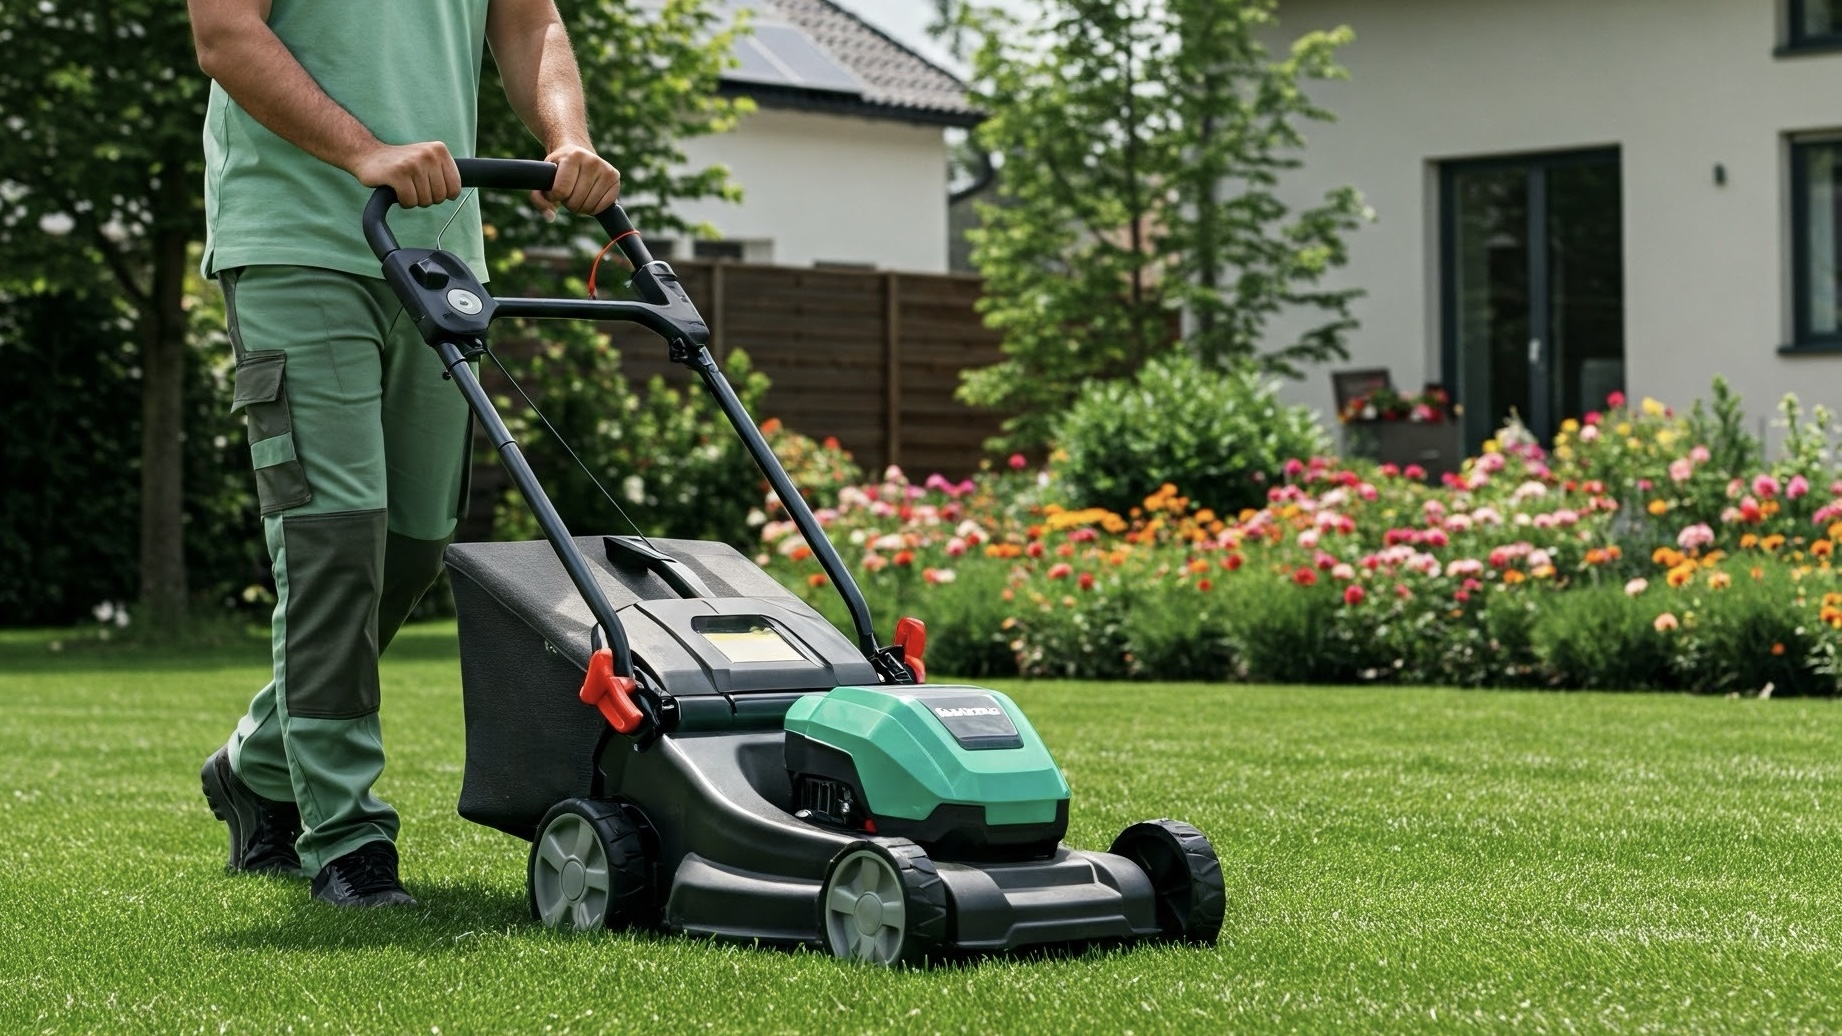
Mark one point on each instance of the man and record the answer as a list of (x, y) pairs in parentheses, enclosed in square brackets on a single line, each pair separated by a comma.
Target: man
[(358, 444)]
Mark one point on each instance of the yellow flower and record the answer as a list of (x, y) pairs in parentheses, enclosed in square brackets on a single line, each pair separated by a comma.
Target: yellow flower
[(1564, 452), (1490, 446), (1666, 437), (1624, 428), (1719, 580), (1658, 507), (1681, 574), (1652, 407), (1570, 426)]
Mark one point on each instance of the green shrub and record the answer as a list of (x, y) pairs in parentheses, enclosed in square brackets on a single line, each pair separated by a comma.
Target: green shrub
[(667, 455), (1220, 437), (1602, 638)]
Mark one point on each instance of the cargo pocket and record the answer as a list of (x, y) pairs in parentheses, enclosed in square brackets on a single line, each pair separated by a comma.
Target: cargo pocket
[(281, 483)]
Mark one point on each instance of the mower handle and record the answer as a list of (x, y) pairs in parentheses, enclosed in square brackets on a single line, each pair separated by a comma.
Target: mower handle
[(512, 174)]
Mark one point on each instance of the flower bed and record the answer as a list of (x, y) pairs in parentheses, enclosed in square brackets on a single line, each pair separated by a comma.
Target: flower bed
[(1629, 557)]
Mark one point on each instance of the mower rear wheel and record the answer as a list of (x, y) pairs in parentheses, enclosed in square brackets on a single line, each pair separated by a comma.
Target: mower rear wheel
[(883, 903), (590, 868), (1186, 877)]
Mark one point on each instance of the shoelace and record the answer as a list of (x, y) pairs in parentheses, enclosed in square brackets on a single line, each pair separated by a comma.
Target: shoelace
[(370, 869), (276, 829)]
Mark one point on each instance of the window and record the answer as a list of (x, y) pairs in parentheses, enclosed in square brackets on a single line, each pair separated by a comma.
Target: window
[(732, 251), (1813, 25), (1816, 186)]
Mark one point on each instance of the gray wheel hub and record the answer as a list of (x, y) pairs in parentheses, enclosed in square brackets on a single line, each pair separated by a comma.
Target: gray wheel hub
[(570, 878), (865, 917)]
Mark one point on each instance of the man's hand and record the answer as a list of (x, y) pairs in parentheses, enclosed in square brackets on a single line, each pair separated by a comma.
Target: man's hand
[(585, 183), (422, 174)]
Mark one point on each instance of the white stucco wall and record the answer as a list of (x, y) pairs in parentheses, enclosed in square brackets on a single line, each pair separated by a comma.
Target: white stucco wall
[(1676, 85), (832, 188)]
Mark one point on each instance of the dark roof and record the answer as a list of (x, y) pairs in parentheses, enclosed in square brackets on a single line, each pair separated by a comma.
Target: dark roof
[(898, 83)]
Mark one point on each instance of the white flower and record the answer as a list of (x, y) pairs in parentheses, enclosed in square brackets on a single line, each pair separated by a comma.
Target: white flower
[(633, 488)]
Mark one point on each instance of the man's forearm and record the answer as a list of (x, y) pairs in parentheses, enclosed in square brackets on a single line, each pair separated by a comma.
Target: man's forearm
[(531, 48), (264, 78)]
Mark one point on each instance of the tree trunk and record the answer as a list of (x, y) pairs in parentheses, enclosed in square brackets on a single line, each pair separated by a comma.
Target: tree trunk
[(163, 575)]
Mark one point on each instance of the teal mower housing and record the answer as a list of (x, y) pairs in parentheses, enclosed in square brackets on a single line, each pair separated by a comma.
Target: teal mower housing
[(689, 747)]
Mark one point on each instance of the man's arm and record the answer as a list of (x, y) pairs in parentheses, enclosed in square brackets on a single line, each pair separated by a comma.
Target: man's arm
[(532, 51), (237, 48)]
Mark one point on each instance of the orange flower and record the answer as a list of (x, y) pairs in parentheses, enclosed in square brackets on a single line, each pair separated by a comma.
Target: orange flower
[(1832, 600), (1513, 576), (817, 579), (1668, 557), (801, 552), (1777, 649), (1614, 551), (904, 558), (1831, 615), (1658, 508), (1198, 566), (1772, 542), (1822, 548), (1719, 580), (1748, 541), (1204, 585), (1681, 575), (1597, 556)]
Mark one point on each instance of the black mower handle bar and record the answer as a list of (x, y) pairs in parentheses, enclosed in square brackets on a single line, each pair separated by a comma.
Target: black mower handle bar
[(511, 174)]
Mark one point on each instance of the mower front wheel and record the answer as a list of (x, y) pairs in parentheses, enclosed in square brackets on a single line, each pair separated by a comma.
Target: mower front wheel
[(883, 903), (590, 868), (1186, 877)]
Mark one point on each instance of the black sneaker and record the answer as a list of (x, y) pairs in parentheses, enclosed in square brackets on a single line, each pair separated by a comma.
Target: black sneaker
[(262, 831), (364, 877)]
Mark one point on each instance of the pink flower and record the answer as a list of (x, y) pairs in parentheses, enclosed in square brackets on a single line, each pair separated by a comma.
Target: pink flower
[(1353, 595), (1798, 486), (1700, 455), (1764, 485), (1061, 570), (1637, 586), (1294, 468), (1324, 562), (1390, 470), (1343, 571), (1695, 536), (1308, 539), (1435, 538), (1018, 461), (955, 547), (1680, 470), (1086, 581), (1367, 492), (1591, 419), (1414, 472), (1666, 622), (1614, 400), (1464, 567)]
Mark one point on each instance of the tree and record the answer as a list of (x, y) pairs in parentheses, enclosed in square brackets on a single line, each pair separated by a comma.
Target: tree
[(1142, 142), (101, 169)]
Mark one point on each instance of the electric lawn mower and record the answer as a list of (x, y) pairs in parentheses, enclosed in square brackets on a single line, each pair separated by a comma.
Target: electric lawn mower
[(688, 746)]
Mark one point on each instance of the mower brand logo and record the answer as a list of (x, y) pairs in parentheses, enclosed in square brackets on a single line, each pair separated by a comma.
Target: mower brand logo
[(971, 710)]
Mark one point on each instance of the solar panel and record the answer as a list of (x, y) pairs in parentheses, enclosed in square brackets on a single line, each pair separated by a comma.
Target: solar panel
[(810, 66), (777, 54)]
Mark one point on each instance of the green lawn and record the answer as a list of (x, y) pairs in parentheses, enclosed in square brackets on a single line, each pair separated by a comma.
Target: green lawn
[(1397, 860)]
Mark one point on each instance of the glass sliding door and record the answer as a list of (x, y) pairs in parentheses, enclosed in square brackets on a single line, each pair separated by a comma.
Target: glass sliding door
[(1533, 281)]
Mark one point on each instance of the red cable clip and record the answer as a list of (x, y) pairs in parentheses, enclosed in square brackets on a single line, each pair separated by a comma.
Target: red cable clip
[(596, 265), (911, 640), (612, 695)]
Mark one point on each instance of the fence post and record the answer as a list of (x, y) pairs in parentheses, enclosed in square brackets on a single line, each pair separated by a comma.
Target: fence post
[(719, 310), (892, 367)]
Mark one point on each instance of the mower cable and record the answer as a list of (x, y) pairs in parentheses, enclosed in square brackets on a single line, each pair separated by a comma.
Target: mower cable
[(554, 434)]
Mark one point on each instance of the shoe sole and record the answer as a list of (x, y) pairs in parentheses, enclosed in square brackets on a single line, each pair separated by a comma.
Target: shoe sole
[(218, 797)]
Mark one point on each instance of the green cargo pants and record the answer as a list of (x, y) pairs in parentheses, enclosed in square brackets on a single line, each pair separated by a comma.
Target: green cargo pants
[(360, 448)]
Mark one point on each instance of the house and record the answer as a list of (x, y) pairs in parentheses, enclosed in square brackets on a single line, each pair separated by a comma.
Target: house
[(845, 161), (1577, 196)]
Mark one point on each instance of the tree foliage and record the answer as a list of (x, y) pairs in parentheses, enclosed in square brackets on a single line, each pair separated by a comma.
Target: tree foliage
[(1142, 144), (101, 170)]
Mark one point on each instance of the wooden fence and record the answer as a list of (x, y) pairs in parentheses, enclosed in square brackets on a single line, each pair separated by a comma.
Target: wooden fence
[(870, 357)]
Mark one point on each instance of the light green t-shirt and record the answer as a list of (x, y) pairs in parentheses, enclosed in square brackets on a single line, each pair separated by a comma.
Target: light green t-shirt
[(409, 72)]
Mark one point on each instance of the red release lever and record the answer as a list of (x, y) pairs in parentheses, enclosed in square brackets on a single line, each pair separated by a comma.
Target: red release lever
[(611, 694), (911, 638)]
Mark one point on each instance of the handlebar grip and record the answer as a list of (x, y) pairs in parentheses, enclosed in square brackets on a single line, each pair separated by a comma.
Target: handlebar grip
[(512, 174), (509, 174)]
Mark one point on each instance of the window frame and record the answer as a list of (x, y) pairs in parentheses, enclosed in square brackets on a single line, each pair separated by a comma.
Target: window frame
[(1797, 42), (1804, 337)]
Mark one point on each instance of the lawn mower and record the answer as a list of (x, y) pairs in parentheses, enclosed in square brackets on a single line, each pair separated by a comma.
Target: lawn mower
[(690, 747)]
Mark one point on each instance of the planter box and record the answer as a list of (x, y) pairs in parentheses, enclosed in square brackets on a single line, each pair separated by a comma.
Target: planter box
[(1438, 448)]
